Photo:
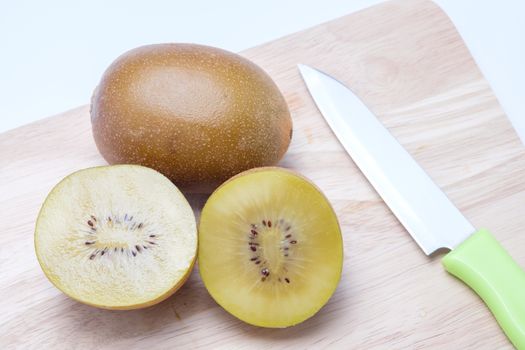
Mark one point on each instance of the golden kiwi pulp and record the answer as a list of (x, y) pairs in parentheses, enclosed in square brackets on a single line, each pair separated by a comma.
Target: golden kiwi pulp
[(116, 237), (195, 113), (270, 247)]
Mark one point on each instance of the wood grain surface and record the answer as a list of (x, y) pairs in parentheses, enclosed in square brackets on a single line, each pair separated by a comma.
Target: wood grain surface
[(408, 63)]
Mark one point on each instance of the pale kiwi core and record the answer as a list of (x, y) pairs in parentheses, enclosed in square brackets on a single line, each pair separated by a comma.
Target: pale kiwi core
[(270, 247), (116, 237)]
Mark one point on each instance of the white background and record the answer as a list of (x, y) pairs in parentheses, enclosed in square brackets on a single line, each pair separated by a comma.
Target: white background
[(54, 52)]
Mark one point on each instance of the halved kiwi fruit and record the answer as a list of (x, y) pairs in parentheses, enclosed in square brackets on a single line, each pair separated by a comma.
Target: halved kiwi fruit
[(270, 247), (116, 237)]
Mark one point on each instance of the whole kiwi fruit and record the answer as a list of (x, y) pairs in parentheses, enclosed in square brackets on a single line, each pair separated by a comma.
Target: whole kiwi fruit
[(197, 114)]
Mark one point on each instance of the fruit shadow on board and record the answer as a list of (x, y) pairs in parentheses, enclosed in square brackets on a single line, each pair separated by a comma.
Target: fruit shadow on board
[(169, 316), (182, 309), (177, 313), (320, 323)]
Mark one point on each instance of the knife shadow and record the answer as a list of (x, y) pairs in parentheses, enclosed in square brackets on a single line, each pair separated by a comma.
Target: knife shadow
[(441, 252)]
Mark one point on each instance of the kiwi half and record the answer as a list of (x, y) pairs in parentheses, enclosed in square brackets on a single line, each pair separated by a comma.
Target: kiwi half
[(270, 247), (116, 237)]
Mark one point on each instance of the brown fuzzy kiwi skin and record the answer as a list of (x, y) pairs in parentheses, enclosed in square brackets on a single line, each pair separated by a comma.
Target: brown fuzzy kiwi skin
[(197, 114), (284, 170), (152, 302)]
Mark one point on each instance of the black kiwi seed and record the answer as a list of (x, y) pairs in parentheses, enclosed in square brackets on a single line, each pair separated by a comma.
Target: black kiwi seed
[(288, 239), (131, 225)]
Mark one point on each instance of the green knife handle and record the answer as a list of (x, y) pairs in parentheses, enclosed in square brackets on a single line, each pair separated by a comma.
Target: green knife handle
[(484, 265)]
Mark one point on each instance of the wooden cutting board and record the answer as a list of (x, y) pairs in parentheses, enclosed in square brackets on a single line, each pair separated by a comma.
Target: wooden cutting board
[(408, 63)]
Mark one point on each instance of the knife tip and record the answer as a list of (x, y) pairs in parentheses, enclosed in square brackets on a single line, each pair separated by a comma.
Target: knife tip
[(304, 69)]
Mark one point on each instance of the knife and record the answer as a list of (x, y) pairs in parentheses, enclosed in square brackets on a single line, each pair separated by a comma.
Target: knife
[(425, 211)]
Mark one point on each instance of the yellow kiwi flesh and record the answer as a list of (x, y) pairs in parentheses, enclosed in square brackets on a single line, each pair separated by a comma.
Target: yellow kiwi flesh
[(270, 247), (116, 237), (197, 114)]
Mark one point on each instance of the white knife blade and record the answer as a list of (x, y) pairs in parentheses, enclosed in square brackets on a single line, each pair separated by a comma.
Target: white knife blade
[(418, 203), (428, 215)]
